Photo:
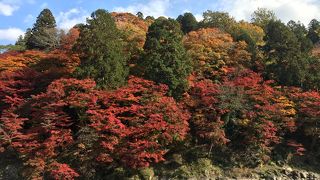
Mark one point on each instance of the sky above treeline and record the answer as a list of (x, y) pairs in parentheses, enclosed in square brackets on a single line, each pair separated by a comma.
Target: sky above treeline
[(18, 15)]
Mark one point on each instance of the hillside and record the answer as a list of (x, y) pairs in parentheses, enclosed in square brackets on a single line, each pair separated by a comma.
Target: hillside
[(128, 97)]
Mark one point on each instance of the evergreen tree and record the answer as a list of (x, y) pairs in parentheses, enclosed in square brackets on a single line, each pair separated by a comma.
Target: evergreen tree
[(188, 22), (140, 15), (45, 20), (102, 51), (285, 62), (313, 74), (262, 16), (314, 31), (301, 33), (44, 34), (20, 41), (150, 18), (165, 60)]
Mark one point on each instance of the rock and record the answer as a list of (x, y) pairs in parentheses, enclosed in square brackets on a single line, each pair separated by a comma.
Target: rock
[(295, 175), (177, 158), (280, 163), (147, 173), (288, 169), (271, 177), (303, 174), (285, 172), (312, 176), (255, 176)]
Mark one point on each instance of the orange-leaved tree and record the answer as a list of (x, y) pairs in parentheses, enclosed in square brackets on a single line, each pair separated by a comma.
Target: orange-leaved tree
[(212, 50)]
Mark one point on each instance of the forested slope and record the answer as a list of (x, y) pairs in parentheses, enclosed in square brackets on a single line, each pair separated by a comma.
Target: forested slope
[(123, 96)]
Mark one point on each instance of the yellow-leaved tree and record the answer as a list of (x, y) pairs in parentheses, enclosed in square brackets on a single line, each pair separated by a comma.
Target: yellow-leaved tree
[(212, 50)]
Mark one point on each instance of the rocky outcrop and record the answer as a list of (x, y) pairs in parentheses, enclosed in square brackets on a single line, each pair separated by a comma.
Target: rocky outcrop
[(289, 173)]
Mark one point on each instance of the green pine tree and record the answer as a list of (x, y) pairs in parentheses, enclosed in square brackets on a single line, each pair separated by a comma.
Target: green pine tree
[(165, 60), (140, 15), (44, 34), (301, 33), (188, 22), (285, 62), (102, 51), (314, 31)]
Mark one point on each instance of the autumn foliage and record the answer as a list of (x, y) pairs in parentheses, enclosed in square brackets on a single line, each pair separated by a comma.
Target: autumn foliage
[(135, 124), (69, 39), (141, 123), (308, 110), (212, 50), (134, 26), (206, 94), (134, 30), (14, 60), (243, 112)]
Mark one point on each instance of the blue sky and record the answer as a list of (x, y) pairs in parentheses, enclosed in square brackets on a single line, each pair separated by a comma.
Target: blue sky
[(17, 15)]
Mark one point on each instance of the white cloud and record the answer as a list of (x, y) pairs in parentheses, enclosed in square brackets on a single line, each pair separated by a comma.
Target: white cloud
[(154, 8), (198, 17), (10, 34), (303, 10), (67, 20), (7, 9)]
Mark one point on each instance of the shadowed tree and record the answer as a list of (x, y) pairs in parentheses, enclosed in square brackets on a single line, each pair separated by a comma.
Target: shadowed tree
[(314, 31), (301, 33), (140, 15), (188, 22), (285, 62)]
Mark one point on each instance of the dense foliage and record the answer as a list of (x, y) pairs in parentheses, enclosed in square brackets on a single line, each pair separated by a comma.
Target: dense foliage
[(101, 50), (262, 16), (187, 22), (134, 30), (134, 125), (44, 34), (220, 20), (213, 50), (165, 59), (122, 95)]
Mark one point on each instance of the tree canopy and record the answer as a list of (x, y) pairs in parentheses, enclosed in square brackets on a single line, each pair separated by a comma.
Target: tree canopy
[(220, 20), (44, 34), (284, 55), (102, 51), (314, 31), (187, 22), (262, 16), (128, 97), (165, 59)]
